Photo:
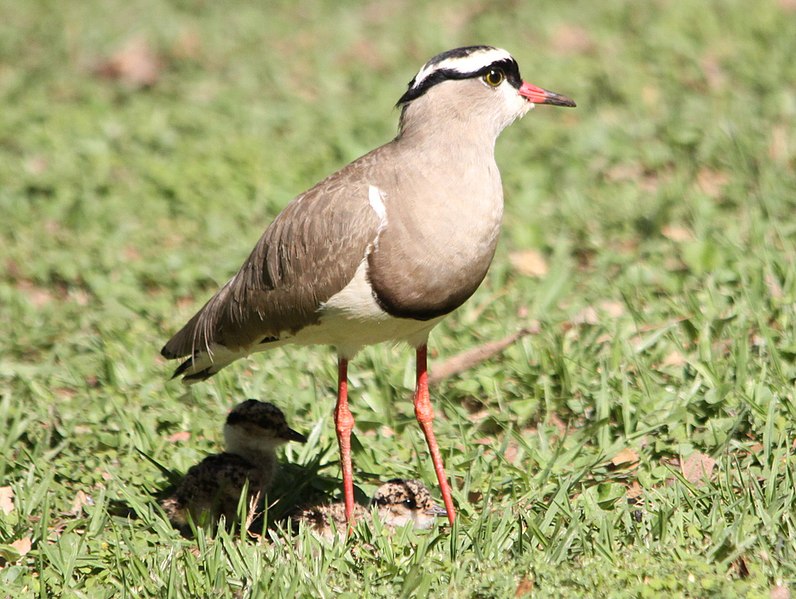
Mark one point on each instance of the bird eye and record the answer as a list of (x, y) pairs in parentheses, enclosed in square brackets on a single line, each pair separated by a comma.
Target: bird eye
[(410, 503), (494, 77)]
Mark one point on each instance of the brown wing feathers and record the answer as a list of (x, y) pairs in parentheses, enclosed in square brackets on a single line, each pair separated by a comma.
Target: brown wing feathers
[(309, 253)]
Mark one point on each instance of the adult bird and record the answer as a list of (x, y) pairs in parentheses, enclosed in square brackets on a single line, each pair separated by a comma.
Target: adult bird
[(384, 248)]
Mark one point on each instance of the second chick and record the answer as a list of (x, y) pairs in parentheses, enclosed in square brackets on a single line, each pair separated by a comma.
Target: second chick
[(397, 502)]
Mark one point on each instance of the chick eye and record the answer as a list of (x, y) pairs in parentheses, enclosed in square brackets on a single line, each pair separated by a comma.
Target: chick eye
[(410, 503), (494, 77)]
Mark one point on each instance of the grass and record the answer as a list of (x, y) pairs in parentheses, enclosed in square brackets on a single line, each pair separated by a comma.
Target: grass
[(662, 207)]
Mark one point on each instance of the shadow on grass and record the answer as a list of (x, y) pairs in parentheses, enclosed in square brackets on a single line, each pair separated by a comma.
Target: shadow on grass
[(296, 486)]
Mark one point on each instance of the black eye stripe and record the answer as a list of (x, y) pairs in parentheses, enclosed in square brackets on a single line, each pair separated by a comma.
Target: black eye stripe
[(507, 65)]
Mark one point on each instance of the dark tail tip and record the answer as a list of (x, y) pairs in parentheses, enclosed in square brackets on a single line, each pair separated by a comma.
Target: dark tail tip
[(198, 376), (180, 370)]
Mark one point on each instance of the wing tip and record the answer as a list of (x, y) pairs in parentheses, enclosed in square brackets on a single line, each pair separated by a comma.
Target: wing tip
[(176, 347)]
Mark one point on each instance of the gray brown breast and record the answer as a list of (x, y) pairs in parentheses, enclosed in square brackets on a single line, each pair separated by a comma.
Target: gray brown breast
[(409, 288), (442, 230)]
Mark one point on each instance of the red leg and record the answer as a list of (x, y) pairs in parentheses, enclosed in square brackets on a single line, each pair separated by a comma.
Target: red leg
[(344, 424), (425, 416)]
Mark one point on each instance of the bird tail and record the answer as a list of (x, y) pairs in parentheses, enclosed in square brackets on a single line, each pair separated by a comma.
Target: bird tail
[(196, 342)]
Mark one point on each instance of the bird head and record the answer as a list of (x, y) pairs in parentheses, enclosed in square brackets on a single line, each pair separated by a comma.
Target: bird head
[(479, 86), (399, 502), (257, 426)]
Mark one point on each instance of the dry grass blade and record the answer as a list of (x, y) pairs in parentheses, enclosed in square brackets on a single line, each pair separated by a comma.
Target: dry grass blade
[(473, 357)]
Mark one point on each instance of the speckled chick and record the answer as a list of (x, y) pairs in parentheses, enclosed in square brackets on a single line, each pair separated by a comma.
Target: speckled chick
[(397, 502), (252, 433)]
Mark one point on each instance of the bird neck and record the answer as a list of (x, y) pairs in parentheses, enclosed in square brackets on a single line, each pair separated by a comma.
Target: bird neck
[(452, 121), (437, 138), (442, 130)]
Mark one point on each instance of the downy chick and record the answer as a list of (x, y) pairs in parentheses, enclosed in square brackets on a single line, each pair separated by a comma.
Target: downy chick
[(212, 488), (397, 502)]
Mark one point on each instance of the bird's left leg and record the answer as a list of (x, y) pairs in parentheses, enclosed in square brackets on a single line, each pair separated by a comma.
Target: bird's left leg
[(425, 416)]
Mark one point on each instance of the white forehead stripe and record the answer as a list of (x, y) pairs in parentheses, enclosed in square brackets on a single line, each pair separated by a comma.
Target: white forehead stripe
[(463, 64)]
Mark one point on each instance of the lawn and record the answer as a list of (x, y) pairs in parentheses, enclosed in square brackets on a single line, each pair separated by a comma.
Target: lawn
[(639, 442)]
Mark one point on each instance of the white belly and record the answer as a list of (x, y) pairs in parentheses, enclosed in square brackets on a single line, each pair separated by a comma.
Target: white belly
[(351, 319)]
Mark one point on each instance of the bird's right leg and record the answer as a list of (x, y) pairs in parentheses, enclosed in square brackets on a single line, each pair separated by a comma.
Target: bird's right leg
[(344, 424)]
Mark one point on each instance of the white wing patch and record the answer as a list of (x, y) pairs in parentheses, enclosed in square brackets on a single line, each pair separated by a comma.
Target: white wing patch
[(376, 198)]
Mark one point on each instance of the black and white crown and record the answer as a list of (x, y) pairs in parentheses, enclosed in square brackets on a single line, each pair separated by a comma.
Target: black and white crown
[(462, 63)]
